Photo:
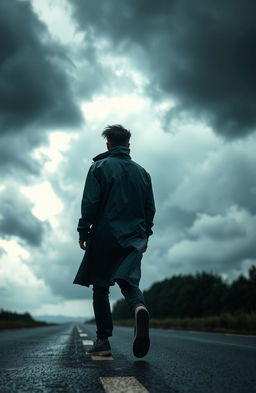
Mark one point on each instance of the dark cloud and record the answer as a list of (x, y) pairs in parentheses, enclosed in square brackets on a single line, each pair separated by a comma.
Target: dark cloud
[(222, 243), (34, 84), (199, 53), (17, 220), (220, 228), (226, 177), (35, 88), (15, 154), (59, 268)]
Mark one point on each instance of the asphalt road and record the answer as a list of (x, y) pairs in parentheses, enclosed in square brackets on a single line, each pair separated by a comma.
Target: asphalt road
[(52, 359)]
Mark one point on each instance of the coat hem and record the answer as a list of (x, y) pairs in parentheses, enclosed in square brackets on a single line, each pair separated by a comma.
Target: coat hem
[(111, 283)]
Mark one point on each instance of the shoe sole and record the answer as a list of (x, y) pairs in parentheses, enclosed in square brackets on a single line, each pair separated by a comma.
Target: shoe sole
[(141, 341)]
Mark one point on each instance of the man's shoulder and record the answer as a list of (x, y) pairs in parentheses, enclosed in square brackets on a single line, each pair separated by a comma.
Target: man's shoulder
[(140, 167), (108, 162), (100, 162)]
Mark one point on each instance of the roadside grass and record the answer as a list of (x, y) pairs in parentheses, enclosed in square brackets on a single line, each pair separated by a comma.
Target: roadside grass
[(226, 322)]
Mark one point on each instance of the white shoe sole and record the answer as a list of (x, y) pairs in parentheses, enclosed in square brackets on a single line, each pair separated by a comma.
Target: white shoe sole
[(141, 341)]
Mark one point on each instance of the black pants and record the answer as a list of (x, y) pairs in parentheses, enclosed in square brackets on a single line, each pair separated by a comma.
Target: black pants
[(101, 305)]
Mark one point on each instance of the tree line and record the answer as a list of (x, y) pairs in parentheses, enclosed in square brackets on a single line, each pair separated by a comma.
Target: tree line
[(14, 320), (200, 295), (14, 316)]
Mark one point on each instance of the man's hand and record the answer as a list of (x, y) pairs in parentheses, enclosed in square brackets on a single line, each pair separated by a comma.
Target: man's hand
[(82, 244)]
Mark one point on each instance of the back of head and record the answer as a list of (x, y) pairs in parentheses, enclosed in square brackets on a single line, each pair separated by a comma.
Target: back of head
[(117, 135)]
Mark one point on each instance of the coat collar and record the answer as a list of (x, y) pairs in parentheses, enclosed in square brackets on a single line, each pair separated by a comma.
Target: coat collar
[(117, 151)]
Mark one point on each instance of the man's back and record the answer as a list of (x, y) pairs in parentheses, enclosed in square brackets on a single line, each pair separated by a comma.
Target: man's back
[(127, 205)]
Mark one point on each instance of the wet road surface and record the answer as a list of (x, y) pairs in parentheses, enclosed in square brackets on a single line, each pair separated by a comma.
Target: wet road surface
[(52, 359)]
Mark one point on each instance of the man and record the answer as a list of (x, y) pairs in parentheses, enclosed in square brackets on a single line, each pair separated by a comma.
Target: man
[(116, 221)]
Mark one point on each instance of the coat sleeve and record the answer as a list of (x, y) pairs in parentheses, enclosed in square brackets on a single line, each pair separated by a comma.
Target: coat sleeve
[(90, 204), (149, 208)]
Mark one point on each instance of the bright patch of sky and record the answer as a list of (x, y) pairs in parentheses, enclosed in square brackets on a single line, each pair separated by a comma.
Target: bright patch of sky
[(57, 16), (70, 308), (15, 257), (102, 107), (46, 203), (53, 154)]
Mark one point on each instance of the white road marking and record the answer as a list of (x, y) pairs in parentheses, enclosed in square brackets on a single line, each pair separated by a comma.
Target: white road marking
[(87, 342), (122, 385), (94, 357), (83, 335)]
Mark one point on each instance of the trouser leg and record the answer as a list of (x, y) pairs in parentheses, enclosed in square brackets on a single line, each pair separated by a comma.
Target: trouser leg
[(133, 295), (102, 311)]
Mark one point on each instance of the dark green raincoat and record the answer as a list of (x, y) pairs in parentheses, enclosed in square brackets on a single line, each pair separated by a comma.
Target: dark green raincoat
[(117, 216)]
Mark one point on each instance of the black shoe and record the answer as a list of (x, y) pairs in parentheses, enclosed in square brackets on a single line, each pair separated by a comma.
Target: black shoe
[(100, 348), (141, 341)]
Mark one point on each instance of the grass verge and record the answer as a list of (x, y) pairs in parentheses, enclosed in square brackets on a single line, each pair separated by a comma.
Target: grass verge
[(243, 323)]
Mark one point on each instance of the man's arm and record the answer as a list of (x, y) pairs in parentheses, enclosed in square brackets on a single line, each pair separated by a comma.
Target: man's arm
[(150, 208), (89, 206)]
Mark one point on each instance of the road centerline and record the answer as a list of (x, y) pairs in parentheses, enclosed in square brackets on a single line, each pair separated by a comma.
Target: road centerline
[(87, 342)]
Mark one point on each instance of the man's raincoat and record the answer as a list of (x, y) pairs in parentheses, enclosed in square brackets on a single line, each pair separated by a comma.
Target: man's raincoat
[(117, 216)]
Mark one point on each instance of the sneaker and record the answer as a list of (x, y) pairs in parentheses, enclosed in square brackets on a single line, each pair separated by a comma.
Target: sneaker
[(100, 348), (141, 340)]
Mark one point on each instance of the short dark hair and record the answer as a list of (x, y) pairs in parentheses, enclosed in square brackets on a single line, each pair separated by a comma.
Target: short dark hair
[(116, 134)]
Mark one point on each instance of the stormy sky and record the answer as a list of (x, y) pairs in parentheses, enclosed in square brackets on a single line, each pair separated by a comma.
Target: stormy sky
[(181, 76)]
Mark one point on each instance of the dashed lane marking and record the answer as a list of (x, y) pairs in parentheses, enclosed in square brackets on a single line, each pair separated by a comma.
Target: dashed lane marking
[(87, 342), (122, 385), (83, 335)]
